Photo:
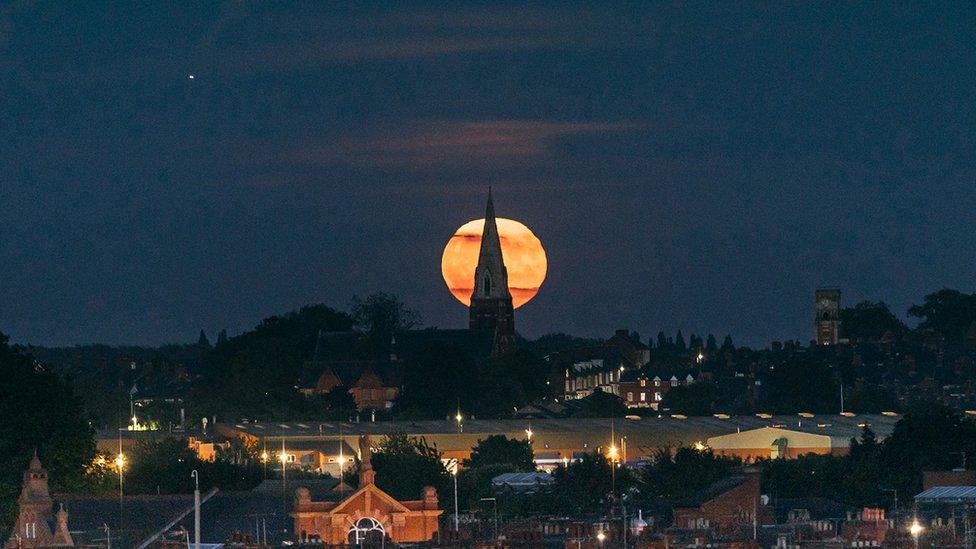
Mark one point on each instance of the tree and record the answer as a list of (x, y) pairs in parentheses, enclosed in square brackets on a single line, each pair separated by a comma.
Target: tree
[(681, 474), (949, 312), (404, 465), (40, 413), (438, 379), (585, 484), (710, 344), (868, 321), (253, 375), (163, 465), (222, 337), (339, 403), (382, 315), (679, 342), (501, 450), (727, 343), (202, 341), (802, 386), (662, 341)]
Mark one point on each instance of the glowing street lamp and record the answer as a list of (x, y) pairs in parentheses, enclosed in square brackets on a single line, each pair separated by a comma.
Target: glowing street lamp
[(120, 462), (612, 453), (916, 530), (528, 434), (601, 536)]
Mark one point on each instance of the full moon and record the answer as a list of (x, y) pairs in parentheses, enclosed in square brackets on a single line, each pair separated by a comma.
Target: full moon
[(524, 257)]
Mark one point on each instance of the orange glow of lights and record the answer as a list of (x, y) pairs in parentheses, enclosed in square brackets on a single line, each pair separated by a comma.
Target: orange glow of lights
[(522, 252)]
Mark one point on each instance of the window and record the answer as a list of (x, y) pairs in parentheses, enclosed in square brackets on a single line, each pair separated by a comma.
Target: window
[(643, 383), (630, 396), (657, 397), (487, 284), (657, 382), (643, 396), (366, 530)]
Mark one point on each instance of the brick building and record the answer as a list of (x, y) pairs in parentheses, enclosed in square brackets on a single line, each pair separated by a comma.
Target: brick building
[(730, 508), (368, 515)]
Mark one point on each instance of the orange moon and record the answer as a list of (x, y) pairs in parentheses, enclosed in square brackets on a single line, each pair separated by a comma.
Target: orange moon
[(522, 252)]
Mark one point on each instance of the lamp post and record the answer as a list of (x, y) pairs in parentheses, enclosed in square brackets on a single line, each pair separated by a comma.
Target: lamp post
[(196, 508), (916, 530), (120, 464), (454, 473), (460, 428)]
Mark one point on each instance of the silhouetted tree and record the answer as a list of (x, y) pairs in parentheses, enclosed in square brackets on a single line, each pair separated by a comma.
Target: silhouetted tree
[(949, 312), (679, 342), (710, 343), (404, 465), (40, 413), (868, 321), (202, 341), (727, 344), (501, 450), (382, 315)]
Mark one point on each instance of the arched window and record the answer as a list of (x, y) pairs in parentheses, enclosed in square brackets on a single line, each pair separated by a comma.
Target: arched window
[(366, 531), (487, 283)]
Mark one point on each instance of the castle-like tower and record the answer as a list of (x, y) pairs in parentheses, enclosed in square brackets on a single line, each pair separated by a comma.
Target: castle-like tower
[(33, 525), (491, 302)]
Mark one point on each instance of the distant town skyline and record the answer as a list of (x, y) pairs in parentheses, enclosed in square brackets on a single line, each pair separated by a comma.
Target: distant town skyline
[(210, 165)]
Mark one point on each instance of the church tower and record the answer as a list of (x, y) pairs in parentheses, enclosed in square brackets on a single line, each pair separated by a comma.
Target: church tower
[(491, 302), (33, 525)]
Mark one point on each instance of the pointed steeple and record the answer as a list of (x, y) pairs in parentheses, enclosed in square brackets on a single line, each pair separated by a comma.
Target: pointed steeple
[(491, 276), (491, 301)]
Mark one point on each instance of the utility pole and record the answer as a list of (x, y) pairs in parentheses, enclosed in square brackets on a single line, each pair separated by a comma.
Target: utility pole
[(196, 509)]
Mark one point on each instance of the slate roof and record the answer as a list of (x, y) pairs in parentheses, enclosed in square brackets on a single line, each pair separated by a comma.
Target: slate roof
[(948, 494), (712, 491), (142, 515)]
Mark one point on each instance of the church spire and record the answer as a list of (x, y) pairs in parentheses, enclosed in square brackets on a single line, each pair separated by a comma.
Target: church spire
[(491, 301), (491, 276)]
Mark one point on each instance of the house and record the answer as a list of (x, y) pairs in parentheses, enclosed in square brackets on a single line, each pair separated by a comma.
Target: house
[(641, 391), (374, 385), (367, 515), (727, 507)]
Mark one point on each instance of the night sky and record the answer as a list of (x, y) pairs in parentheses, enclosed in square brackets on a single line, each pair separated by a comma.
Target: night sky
[(699, 166)]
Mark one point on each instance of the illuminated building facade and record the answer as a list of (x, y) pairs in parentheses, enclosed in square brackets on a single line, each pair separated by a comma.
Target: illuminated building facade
[(368, 515)]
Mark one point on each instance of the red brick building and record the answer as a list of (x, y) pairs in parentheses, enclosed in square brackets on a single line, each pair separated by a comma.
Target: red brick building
[(368, 515), (728, 507)]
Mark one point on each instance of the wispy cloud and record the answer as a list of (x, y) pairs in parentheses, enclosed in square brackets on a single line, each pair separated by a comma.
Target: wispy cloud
[(455, 143)]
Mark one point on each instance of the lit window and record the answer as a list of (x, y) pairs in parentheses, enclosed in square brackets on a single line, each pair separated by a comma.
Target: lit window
[(643, 397), (643, 382), (630, 396), (657, 397)]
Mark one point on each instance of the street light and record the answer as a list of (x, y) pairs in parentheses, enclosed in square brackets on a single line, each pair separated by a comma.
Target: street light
[(916, 530), (454, 470), (601, 537), (528, 434)]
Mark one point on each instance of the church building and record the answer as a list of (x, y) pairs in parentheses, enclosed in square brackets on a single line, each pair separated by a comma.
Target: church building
[(35, 525), (491, 302), (368, 515)]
